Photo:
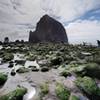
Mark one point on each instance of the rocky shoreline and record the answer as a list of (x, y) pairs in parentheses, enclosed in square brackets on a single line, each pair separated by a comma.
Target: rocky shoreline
[(49, 72)]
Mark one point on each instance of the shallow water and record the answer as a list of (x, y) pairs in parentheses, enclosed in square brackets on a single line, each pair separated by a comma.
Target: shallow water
[(31, 63), (18, 56), (1, 47), (17, 80)]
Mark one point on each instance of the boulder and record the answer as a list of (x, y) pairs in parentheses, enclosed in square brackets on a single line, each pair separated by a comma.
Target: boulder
[(89, 87), (17, 94), (3, 78), (22, 70), (48, 30)]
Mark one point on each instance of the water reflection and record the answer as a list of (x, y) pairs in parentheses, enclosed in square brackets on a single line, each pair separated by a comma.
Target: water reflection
[(30, 94)]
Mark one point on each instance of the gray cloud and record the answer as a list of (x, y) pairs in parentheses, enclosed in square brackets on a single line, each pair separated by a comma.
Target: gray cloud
[(17, 17)]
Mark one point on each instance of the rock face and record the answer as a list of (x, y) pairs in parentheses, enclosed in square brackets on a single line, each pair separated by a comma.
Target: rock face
[(98, 42), (48, 30)]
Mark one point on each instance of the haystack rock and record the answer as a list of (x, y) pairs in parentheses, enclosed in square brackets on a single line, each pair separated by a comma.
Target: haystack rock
[(48, 30)]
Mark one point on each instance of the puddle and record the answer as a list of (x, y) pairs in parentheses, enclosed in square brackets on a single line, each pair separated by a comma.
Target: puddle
[(31, 63), (31, 92)]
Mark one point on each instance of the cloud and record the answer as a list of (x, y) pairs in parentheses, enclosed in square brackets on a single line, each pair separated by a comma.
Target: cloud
[(84, 31), (13, 32), (19, 16), (25, 11)]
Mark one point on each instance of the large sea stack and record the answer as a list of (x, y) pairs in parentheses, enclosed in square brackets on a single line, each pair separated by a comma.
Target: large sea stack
[(48, 30)]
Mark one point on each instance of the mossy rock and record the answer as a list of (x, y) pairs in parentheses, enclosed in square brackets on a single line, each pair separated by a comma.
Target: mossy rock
[(22, 70), (20, 62), (61, 92), (31, 57), (43, 63), (97, 59), (8, 57), (79, 70), (68, 58), (15, 95), (44, 89), (65, 73), (89, 87), (11, 64), (3, 78), (92, 70), (34, 68), (56, 60)]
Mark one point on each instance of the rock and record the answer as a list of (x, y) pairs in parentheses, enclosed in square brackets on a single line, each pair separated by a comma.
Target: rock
[(98, 42), (92, 70), (79, 70), (15, 95), (44, 69), (8, 57), (61, 92), (22, 70), (44, 90), (68, 58), (20, 62), (43, 63), (65, 73), (13, 73), (31, 58), (34, 68), (89, 87), (11, 64), (48, 30), (96, 59), (3, 79), (56, 60)]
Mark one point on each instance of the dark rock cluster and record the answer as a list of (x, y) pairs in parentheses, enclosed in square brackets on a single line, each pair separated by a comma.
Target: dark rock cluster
[(98, 42), (48, 30)]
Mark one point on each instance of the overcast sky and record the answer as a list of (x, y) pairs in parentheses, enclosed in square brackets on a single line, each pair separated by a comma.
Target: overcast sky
[(81, 18)]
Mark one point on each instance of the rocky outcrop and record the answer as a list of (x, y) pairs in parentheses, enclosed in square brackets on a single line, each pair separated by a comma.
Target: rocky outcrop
[(98, 42), (48, 30)]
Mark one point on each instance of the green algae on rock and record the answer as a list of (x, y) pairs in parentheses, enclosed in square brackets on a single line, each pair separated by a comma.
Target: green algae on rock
[(89, 87), (8, 57), (65, 73), (92, 70), (15, 95), (61, 92), (3, 78), (44, 89), (22, 70)]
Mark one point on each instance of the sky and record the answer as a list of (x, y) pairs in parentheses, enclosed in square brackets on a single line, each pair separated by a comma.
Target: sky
[(81, 18)]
